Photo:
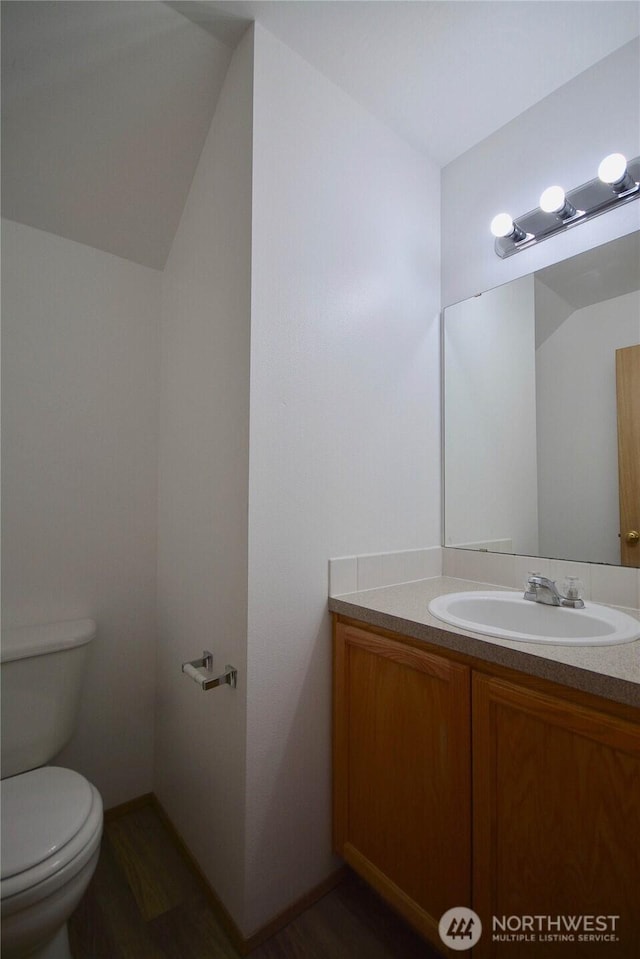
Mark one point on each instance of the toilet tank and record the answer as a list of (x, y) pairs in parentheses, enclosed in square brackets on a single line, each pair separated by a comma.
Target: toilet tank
[(42, 671)]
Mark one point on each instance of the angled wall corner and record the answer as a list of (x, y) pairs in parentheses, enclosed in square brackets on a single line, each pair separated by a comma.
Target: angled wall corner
[(203, 494), (300, 307)]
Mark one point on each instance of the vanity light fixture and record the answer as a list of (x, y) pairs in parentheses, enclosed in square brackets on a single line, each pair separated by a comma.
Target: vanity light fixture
[(502, 226), (554, 200), (613, 171), (618, 182)]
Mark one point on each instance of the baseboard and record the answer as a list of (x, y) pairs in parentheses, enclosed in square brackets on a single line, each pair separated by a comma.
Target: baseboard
[(223, 916), (295, 909), (116, 811), (243, 944), (395, 897)]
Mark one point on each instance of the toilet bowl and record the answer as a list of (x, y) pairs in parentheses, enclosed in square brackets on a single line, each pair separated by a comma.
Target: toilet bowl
[(51, 830), (51, 816)]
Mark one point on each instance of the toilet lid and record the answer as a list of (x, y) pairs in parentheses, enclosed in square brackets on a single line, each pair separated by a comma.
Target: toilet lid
[(42, 810)]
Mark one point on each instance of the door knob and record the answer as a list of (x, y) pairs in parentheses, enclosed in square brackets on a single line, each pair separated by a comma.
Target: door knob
[(632, 537)]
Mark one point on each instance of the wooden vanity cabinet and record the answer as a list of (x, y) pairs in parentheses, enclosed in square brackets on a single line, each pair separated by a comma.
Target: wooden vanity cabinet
[(402, 776), (461, 784), (556, 816)]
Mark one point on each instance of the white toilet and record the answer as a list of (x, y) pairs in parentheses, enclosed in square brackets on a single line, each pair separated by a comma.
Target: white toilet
[(51, 817)]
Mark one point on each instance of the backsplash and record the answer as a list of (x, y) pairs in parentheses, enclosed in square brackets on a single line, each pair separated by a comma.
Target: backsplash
[(350, 574), (613, 585)]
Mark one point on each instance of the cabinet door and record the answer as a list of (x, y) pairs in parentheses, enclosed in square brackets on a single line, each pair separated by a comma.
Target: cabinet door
[(556, 822), (402, 778)]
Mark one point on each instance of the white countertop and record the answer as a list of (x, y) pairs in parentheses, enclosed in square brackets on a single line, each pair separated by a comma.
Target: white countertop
[(611, 671)]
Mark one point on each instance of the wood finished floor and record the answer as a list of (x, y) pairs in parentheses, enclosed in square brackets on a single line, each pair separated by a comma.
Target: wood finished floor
[(145, 902)]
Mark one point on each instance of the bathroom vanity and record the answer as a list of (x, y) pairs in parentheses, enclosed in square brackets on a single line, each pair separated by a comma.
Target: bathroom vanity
[(471, 771)]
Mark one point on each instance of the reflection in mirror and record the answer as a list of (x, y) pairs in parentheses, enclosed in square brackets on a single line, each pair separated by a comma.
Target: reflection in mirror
[(533, 408)]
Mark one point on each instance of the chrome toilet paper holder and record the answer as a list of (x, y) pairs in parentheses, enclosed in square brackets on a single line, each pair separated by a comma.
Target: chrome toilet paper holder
[(200, 671)]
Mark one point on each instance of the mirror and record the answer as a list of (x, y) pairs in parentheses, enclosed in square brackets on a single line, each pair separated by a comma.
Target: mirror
[(531, 410)]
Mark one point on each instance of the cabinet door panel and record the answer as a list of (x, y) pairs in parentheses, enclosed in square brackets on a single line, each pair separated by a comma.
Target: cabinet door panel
[(402, 773), (556, 817)]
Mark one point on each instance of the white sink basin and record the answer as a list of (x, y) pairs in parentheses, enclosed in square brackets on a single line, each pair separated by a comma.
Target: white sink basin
[(509, 616)]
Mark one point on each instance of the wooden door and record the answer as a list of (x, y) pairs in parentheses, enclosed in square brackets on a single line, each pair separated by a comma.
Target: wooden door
[(556, 822), (402, 774), (628, 395)]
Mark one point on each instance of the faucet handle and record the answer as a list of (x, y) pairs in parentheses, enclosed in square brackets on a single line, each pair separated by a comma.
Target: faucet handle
[(530, 586), (572, 588)]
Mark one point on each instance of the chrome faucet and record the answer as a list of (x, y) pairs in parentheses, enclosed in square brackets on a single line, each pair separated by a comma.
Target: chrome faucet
[(542, 590)]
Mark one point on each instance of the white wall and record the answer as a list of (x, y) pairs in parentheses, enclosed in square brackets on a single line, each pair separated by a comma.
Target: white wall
[(577, 430), (559, 140), (203, 493), (491, 487), (345, 454), (80, 356)]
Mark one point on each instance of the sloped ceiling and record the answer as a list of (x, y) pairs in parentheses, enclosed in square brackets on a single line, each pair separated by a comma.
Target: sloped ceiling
[(445, 75), (106, 105), (105, 109), (596, 275)]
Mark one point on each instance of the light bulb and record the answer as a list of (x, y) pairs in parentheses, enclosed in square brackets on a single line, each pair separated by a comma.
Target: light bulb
[(613, 168), (502, 225), (552, 199)]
